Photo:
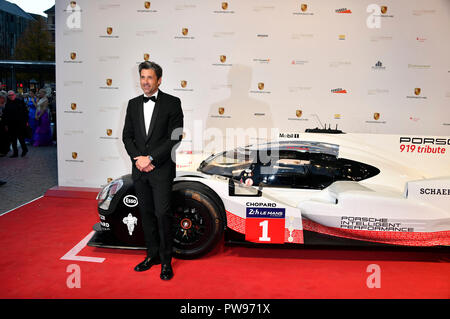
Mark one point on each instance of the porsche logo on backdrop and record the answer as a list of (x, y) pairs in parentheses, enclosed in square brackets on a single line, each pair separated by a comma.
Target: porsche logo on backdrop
[(109, 85), (73, 109), (72, 58), (146, 56), (261, 89), (74, 158), (109, 34), (298, 113), (417, 94), (184, 35), (304, 10), (221, 110), (384, 9), (224, 6), (183, 87), (376, 119), (147, 4), (223, 59), (109, 135)]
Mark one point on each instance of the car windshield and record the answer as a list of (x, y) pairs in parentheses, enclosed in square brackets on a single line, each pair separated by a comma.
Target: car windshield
[(289, 167), (229, 164)]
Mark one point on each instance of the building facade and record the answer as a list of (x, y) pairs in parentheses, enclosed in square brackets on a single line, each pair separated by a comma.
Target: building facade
[(13, 22)]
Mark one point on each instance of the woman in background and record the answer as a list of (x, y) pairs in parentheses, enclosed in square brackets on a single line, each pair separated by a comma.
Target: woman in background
[(31, 103), (43, 133)]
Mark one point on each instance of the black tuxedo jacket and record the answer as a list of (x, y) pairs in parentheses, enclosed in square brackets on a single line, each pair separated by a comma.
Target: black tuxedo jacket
[(164, 133)]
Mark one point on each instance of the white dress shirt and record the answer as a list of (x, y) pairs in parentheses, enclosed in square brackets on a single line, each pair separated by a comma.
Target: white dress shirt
[(148, 111)]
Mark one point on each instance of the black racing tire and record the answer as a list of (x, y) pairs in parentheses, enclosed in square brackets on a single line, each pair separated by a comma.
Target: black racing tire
[(198, 221)]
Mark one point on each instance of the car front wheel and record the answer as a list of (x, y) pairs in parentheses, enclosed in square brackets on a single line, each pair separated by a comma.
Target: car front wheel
[(198, 223)]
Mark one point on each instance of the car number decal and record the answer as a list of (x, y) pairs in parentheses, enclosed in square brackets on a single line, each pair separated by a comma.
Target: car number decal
[(265, 225)]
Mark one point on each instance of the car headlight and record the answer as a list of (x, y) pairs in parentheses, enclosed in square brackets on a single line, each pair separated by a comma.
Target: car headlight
[(106, 195)]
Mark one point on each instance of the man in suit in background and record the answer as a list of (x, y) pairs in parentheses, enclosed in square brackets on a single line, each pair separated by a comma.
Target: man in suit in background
[(15, 117), (4, 137), (152, 131)]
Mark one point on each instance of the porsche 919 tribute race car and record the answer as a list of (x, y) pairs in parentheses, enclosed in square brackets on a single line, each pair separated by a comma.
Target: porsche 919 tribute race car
[(287, 192)]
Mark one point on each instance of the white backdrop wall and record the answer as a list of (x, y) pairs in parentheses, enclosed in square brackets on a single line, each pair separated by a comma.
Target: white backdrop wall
[(370, 68)]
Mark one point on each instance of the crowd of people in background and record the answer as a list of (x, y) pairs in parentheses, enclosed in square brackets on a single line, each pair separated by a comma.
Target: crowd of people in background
[(26, 118)]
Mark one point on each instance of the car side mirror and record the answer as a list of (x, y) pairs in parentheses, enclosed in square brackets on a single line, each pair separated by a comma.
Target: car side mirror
[(236, 188)]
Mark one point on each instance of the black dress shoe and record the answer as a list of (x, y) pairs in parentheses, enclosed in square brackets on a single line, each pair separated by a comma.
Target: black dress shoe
[(14, 155), (166, 272), (24, 153), (147, 264)]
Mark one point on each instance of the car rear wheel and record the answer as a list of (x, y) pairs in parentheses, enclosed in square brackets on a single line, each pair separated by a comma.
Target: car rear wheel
[(198, 223)]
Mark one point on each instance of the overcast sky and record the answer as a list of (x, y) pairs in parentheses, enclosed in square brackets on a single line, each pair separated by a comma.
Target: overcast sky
[(34, 6)]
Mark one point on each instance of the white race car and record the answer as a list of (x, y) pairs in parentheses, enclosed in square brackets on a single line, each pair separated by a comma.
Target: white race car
[(288, 192)]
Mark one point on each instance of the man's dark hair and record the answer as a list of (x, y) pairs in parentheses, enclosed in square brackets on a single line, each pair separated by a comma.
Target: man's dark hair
[(151, 65)]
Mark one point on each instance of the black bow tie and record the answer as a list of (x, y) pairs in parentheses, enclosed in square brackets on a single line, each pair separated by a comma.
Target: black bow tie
[(153, 98)]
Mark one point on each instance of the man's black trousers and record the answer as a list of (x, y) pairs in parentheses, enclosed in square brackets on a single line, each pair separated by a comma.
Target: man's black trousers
[(154, 206)]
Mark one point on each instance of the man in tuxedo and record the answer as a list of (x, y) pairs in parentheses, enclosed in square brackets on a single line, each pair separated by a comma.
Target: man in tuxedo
[(152, 131)]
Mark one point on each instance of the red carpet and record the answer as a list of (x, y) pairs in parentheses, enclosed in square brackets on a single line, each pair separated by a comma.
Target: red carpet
[(35, 237)]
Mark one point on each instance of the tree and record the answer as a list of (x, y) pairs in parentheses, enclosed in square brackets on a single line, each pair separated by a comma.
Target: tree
[(34, 44)]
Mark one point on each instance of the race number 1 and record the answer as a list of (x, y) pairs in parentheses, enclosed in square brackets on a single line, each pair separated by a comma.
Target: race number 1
[(265, 225), (265, 230)]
